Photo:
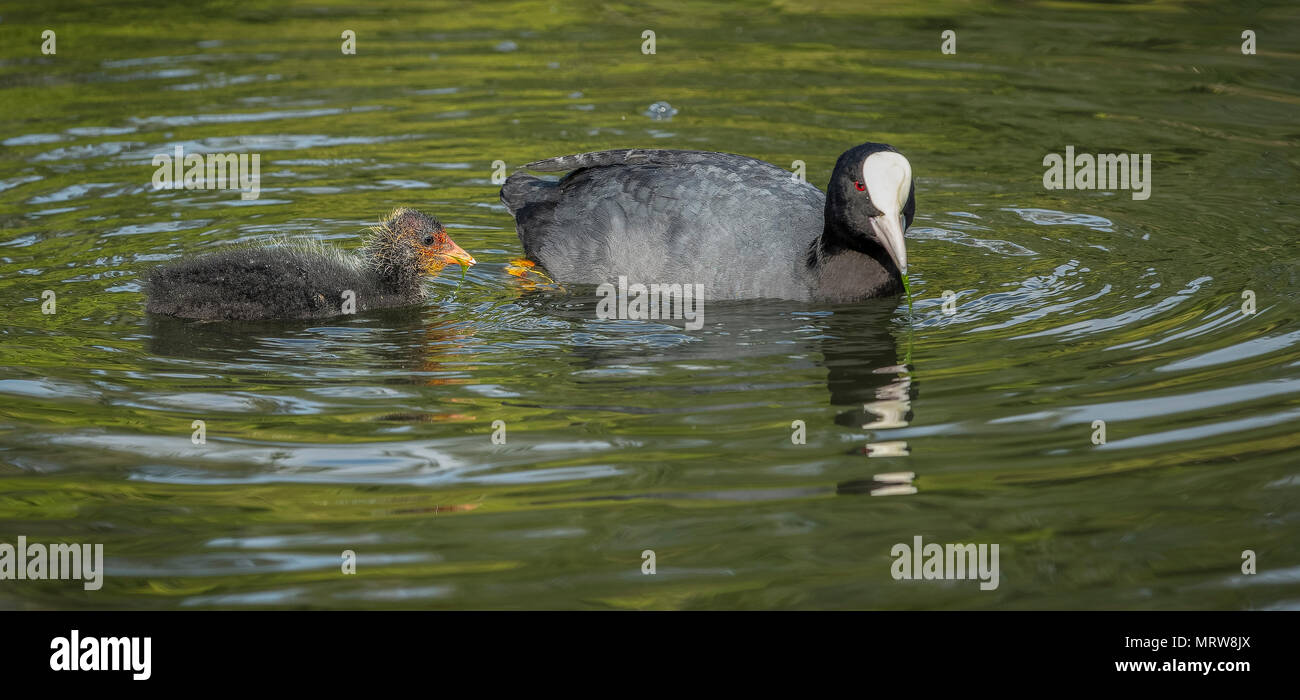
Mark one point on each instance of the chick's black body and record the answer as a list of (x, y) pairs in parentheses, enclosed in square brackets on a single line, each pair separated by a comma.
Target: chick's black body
[(305, 281), (263, 283)]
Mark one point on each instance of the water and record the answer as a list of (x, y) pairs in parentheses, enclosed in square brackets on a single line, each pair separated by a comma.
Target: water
[(374, 433)]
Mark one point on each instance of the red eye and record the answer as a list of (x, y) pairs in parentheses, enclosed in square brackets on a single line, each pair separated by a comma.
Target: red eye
[(861, 187)]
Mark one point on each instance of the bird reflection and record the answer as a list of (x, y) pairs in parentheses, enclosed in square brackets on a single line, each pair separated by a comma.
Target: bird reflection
[(869, 385), (860, 353), (856, 344), (258, 340), (403, 338)]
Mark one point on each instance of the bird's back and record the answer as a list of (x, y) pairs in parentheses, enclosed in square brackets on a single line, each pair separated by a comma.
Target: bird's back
[(738, 225), (246, 283)]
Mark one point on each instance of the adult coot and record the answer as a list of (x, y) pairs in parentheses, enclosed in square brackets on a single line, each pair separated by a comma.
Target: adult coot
[(741, 227), (299, 281)]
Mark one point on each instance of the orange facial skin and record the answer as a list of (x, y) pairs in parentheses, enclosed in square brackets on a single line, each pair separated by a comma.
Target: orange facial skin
[(442, 252), (411, 230)]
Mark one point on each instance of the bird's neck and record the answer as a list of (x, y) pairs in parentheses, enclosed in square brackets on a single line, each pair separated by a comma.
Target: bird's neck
[(399, 279), (848, 267)]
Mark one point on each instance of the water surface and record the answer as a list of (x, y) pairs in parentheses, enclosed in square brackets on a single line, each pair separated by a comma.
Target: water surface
[(374, 433)]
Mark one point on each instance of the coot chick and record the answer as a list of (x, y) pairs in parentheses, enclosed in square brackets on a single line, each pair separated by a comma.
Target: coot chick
[(300, 281), (741, 227)]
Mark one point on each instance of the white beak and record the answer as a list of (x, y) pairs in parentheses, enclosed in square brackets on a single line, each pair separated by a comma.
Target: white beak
[(888, 177), (889, 229)]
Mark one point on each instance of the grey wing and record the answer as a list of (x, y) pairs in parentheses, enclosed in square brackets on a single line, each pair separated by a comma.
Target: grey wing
[(638, 156), (739, 226)]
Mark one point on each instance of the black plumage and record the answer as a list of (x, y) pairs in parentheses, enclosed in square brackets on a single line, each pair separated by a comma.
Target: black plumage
[(306, 280), (742, 227)]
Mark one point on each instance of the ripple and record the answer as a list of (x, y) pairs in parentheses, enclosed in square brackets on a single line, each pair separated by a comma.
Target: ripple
[(102, 149), (31, 139), (1236, 353), (84, 190), (241, 117), (46, 388), (1106, 324), (1000, 247), (1051, 217), (16, 181)]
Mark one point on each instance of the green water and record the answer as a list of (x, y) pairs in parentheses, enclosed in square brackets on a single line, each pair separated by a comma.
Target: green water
[(374, 433)]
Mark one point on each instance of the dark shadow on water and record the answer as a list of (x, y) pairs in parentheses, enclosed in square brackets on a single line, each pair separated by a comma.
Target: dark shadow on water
[(232, 340), (857, 344)]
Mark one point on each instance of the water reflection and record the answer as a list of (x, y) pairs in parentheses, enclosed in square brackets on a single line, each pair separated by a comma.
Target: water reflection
[(856, 345), (861, 354), (376, 338)]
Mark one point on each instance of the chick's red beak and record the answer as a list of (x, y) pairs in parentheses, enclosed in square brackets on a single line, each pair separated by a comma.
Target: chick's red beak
[(449, 252)]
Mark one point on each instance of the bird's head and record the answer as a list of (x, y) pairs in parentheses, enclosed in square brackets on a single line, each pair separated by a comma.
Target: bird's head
[(871, 200), (409, 241)]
